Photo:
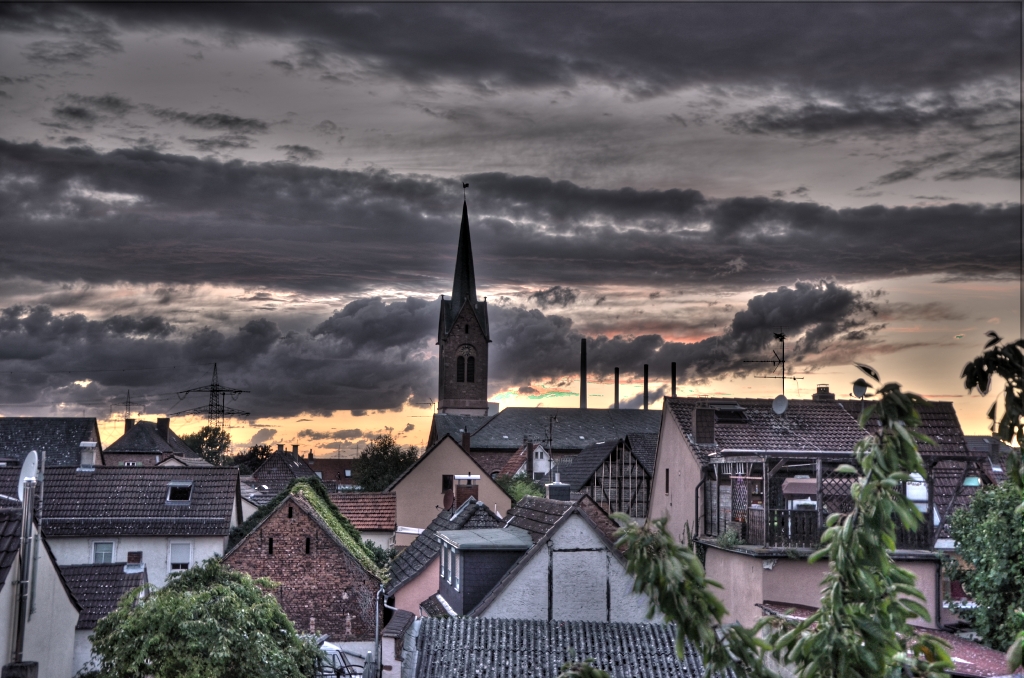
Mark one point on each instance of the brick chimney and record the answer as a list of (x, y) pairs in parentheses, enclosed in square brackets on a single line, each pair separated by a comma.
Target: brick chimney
[(163, 425), (128, 423), (823, 394), (704, 425), (464, 492), (465, 441)]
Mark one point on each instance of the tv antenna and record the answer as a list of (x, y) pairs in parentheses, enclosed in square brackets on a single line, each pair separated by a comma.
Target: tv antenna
[(128, 406), (776, 361), (216, 410)]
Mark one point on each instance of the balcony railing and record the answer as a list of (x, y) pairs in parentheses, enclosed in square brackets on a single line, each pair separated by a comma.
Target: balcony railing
[(799, 528)]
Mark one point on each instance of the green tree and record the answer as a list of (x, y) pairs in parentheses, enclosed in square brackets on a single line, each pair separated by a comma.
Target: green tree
[(381, 462), (206, 622), (519, 486), (1007, 362), (210, 443), (250, 460), (862, 627)]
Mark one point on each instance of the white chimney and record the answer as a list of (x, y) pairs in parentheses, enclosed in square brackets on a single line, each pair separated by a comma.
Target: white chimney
[(88, 455)]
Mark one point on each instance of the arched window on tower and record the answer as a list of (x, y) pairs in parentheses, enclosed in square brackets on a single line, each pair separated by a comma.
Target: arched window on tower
[(471, 369), (460, 369)]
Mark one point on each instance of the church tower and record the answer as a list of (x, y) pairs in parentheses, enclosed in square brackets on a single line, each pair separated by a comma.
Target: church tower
[(463, 335)]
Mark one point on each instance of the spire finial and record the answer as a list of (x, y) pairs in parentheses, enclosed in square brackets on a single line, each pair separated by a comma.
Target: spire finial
[(464, 187)]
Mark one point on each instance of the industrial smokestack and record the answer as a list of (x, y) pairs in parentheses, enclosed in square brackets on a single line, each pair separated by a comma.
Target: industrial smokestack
[(645, 387), (673, 380), (583, 374), (616, 388)]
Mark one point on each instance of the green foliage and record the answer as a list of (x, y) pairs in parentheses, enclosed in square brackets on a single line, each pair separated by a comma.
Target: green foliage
[(729, 539), (312, 490), (990, 545), (520, 486), (210, 443), (1006, 361), (206, 622), (250, 460), (381, 556), (862, 625), (381, 462), (584, 669)]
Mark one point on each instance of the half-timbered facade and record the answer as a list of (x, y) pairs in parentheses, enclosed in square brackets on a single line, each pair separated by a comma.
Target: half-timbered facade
[(616, 474)]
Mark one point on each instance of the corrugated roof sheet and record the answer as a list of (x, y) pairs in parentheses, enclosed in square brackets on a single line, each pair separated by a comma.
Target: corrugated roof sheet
[(98, 588), (367, 510), (517, 648), (58, 436), (411, 561), (116, 500)]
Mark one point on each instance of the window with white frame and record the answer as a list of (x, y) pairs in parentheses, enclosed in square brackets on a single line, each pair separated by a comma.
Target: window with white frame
[(102, 552), (179, 492), (457, 557), (444, 554), (181, 556)]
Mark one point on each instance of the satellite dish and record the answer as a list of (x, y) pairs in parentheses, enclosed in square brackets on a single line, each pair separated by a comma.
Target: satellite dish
[(28, 470), (860, 388), (779, 405)]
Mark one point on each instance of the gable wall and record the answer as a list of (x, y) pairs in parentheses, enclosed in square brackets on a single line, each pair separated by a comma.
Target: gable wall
[(419, 588), (419, 494), (50, 632), (324, 591), (684, 474)]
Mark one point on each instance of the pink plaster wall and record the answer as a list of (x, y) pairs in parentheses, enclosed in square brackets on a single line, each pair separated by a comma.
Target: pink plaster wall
[(421, 587), (742, 584), (684, 474)]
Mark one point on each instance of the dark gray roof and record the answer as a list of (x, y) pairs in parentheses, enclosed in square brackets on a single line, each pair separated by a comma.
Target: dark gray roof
[(401, 620), (119, 500), (145, 438), (10, 538), (432, 607), (454, 424), (275, 475), (58, 436), (417, 555), (513, 648), (507, 429), (98, 588), (644, 447), (537, 515)]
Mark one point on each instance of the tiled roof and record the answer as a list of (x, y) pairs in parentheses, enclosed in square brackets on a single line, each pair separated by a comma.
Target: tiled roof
[(537, 515), (513, 648), (814, 426), (98, 588), (401, 620), (411, 561), (507, 429), (367, 510), (644, 447), (432, 607), (145, 438), (454, 424), (601, 520), (332, 471), (10, 538), (586, 462), (938, 421), (116, 500), (514, 463), (276, 473), (58, 436)]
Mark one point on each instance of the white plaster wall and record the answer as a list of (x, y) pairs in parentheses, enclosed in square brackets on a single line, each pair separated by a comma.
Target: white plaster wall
[(156, 551), (83, 650), (6, 613), (580, 580), (383, 539), (50, 631), (526, 596), (248, 508)]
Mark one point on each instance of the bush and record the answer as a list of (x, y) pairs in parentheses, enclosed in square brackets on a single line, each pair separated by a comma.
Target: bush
[(520, 486), (730, 539)]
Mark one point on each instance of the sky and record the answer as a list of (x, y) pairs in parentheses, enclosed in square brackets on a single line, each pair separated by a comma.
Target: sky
[(277, 188)]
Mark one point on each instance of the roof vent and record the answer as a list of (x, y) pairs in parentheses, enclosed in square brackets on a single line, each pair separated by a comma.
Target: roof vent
[(822, 393), (703, 426)]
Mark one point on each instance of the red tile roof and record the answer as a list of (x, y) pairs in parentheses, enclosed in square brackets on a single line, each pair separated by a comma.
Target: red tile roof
[(367, 510), (514, 463)]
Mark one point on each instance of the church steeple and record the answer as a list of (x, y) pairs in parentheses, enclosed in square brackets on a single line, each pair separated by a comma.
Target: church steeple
[(464, 287)]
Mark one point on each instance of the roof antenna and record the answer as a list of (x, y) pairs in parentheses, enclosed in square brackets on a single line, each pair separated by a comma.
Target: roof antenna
[(776, 361)]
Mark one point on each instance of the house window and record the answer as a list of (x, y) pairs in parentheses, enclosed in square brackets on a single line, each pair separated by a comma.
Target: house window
[(307, 545), (470, 369), (179, 492), (102, 552), (444, 554), (447, 482), (457, 557), (289, 511), (460, 369), (270, 546), (348, 473), (131, 463), (666, 481), (181, 556)]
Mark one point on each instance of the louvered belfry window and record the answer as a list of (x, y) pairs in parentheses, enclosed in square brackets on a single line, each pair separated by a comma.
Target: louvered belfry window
[(460, 369), (470, 369)]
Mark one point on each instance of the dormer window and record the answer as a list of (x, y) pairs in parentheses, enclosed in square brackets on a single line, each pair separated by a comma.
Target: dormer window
[(179, 492)]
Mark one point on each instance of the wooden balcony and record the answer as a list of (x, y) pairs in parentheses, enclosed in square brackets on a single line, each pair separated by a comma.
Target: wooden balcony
[(800, 528)]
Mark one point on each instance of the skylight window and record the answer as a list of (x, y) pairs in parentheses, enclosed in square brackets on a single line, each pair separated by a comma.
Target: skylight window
[(179, 492)]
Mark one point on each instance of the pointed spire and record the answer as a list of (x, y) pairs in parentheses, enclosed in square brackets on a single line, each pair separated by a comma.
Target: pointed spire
[(464, 287)]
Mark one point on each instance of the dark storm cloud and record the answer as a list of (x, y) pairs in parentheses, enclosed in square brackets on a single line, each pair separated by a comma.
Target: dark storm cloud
[(998, 165), (555, 296), (211, 121), (299, 153), (345, 434), (646, 50), (370, 355), (77, 214), (107, 103), (76, 115), (531, 345), (225, 142)]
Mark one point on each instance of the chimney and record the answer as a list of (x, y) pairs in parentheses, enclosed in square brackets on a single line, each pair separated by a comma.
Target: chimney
[(673, 380), (557, 491), (128, 423), (280, 447), (529, 460), (703, 426), (583, 374), (645, 387), (823, 394), (163, 425), (616, 388), (465, 441), (310, 457), (295, 452), (464, 492), (87, 452)]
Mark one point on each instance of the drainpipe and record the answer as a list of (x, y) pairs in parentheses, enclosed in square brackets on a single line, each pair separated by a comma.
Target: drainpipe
[(378, 662), (696, 507)]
